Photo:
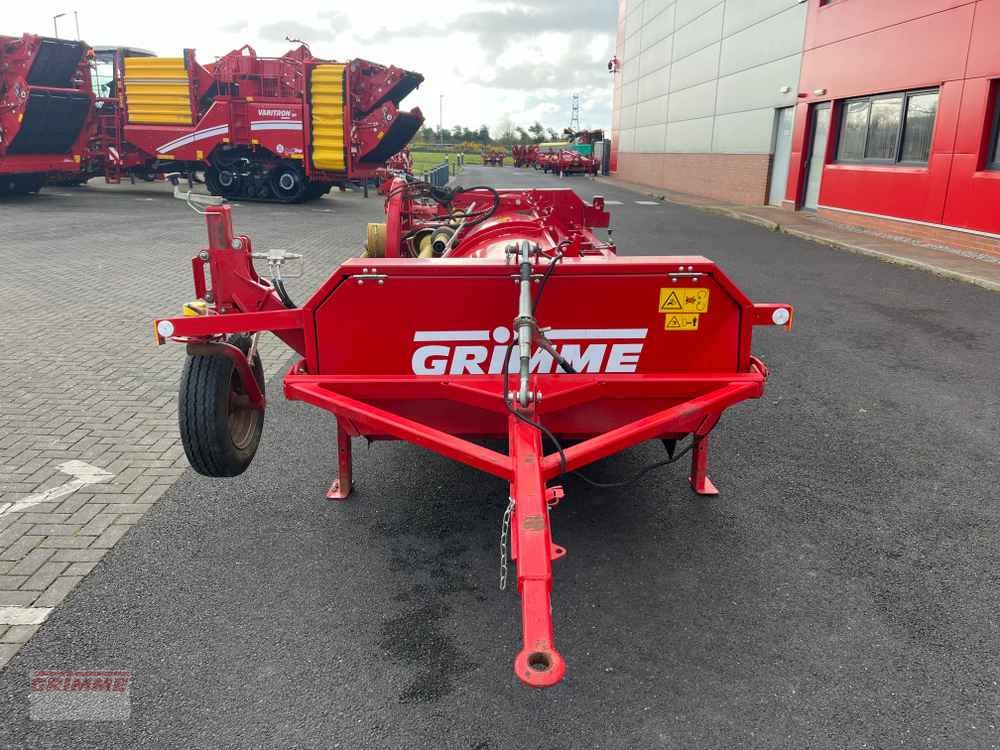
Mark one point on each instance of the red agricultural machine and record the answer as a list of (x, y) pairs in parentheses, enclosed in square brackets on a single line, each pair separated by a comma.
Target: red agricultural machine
[(565, 162), (400, 164), (524, 156), (46, 111), (519, 324), (494, 157), (282, 129)]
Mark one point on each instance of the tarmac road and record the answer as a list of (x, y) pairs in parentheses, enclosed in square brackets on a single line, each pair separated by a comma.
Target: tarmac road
[(841, 592)]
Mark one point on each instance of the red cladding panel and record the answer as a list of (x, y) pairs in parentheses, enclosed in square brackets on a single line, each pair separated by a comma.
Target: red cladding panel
[(859, 47), (922, 52), (842, 19), (984, 59)]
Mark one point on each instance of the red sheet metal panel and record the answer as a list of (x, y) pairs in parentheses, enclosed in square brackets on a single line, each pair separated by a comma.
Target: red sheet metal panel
[(861, 48)]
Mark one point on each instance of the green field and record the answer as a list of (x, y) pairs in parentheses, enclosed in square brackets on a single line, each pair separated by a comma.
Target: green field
[(424, 160)]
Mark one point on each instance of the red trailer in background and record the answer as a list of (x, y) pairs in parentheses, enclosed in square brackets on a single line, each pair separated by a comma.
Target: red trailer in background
[(46, 111), (494, 157), (525, 156), (564, 161), (478, 314), (281, 129)]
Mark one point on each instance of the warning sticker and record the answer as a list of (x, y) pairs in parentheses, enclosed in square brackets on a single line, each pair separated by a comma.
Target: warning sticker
[(681, 322), (684, 300)]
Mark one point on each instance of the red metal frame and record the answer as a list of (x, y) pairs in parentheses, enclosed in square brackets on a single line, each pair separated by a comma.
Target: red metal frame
[(362, 335)]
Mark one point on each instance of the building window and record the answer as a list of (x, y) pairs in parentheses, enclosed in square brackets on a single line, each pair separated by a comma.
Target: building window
[(888, 129)]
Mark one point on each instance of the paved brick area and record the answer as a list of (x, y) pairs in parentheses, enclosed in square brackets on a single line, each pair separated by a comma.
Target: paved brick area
[(82, 384)]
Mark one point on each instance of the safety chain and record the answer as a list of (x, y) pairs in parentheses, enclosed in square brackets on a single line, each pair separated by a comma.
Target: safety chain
[(504, 536)]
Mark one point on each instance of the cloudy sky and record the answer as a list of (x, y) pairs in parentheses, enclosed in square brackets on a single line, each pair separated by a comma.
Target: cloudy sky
[(521, 59)]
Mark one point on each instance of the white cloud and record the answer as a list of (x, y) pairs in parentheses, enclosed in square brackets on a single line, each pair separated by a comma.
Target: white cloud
[(522, 59)]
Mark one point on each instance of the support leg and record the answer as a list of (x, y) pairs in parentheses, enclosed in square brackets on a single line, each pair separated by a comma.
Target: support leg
[(538, 664), (699, 467), (341, 486)]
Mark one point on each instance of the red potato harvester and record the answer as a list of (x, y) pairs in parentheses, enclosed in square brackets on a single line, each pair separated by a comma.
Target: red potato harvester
[(46, 111), (538, 330), (281, 129)]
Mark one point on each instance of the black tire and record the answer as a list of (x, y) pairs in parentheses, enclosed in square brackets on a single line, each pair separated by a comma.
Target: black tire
[(26, 184), (288, 183), (230, 184), (219, 428), (317, 190), (212, 181)]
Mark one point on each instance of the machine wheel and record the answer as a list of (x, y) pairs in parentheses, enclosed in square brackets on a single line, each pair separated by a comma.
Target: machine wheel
[(229, 181), (288, 183), (26, 184), (219, 428), (212, 181), (317, 190)]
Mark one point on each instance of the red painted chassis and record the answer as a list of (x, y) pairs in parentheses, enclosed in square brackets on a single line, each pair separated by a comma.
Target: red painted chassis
[(355, 337)]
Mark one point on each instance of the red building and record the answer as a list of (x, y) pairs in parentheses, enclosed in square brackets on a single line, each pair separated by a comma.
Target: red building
[(897, 123)]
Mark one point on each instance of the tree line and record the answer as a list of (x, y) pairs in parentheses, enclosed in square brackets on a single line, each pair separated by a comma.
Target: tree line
[(505, 133)]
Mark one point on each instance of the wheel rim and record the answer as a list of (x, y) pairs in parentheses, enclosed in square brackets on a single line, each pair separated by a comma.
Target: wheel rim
[(287, 182), (242, 414)]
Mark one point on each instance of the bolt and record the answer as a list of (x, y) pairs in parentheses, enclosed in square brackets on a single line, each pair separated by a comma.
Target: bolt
[(381, 281), (203, 255), (361, 282), (237, 243)]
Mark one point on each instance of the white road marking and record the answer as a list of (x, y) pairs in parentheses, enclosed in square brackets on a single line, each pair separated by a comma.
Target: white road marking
[(23, 615), (82, 473), (648, 203), (144, 199), (613, 203)]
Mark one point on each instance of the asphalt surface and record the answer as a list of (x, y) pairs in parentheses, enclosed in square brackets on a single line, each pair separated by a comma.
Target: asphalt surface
[(842, 591)]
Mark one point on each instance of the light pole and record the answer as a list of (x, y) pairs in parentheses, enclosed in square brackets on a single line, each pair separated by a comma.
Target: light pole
[(441, 119), (76, 20)]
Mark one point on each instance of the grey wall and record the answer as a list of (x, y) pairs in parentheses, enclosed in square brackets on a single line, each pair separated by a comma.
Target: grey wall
[(704, 76)]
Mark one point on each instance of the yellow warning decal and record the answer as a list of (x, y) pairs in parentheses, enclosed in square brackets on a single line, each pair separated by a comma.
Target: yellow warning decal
[(681, 322), (684, 300)]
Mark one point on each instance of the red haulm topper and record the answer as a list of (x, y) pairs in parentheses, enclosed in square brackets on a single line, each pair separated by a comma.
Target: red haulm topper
[(46, 110), (499, 314)]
